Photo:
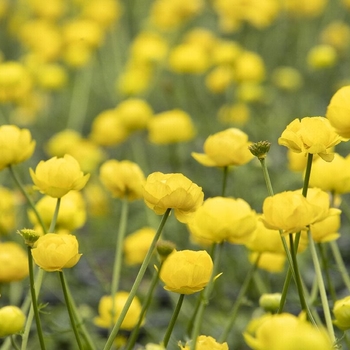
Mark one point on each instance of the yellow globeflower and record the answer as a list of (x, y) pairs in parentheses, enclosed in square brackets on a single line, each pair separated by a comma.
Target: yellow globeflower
[(172, 191), (16, 145), (206, 343), (123, 179), (327, 229), (54, 252), (105, 319), (186, 271), (60, 143), (313, 135), (287, 78), (12, 320), (337, 34), (104, 12), (223, 219), (14, 262), (301, 8), (341, 311), (338, 111), (271, 262), (225, 148), (322, 56), (57, 176), (237, 113), (171, 127), (249, 67), (219, 79), (7, 210), (136, 245)]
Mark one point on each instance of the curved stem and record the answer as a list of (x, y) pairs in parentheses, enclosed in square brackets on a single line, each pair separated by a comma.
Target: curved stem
[(285, 290), (137, 282), (173, 320)]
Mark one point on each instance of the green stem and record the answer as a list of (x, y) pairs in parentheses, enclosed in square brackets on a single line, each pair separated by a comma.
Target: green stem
[(137, 282), (340, 263), (34, 300), (224, 181), (239, 300), (307, 174), (13, 343), (266, 177), (285, 290), (173, 320), (55, 215), (322, 289), (69, 308), (119, 254)]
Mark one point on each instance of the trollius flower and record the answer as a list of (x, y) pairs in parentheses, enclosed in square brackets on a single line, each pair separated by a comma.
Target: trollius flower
[(12, 320)]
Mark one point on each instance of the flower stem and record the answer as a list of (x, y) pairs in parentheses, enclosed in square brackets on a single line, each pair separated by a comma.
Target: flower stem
[(224, 181), (55, 215), (340, 263), (69, 308), (173, 321), (137, 282), (307, 174), (34, 300)]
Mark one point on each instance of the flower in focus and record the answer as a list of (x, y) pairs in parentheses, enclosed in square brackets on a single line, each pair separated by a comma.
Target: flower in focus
[(14, 258), (171, 127), (313, 135), (172, 191), (136, 245), (57, 176), (225, 148), (223, 219), (186, 271), (206, 343), (123, 179), (54, 252), (16, 145), (293, 333), (341, 311), (105, 319), (12, 320), (338, 111)]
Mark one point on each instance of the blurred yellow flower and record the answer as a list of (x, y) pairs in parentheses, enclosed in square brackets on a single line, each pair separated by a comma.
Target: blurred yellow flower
[(61, 142), (124, 179), (12, 320), (336, 34), (341, 311), (338, 111), (206, 343), (104, 12), (223, 219), (57, 176), (226, 52), (7, 210), (225, 148), (186, 271), (54, 252), (301, 8), (313, 135), (175, 191), (237, 113), (171, 127), (16, 145), (322, 56), (136, 245), (51, 76), (219, 79), (105, 319), (96, 199), (287, 78), (249, 67), (270, 262), (14, 258)]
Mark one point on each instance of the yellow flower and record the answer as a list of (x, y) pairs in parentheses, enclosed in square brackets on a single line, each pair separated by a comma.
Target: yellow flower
[(60, 143), (327, 229), (286, 332), (104, 12), (206, 343), (312, 135), (271, 262), (225, 148), (338, 111), (16, 145), (15, 259), (186, 271), (322, 56), (341, 311), (7, 210), (175, 191), (223, 219), (12, 320), (57, 176), (301, 8), (237, 113), (123, 179), (249, 67), (171, 127), (337, 34), (54, 252), (136, 245), (219, 79), (287, 78), (105, 319)]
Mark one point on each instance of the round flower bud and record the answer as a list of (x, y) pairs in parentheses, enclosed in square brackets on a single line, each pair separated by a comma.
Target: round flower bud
[(270, 302), (54, 252), (30, 236), (186, 271), (12, 320), (57, 176), (341, 311)]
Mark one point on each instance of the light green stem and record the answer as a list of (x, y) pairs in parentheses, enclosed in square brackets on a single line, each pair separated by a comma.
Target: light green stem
[(55, 216), (173, 320), (137, 282), (224, 181), (340, 263)]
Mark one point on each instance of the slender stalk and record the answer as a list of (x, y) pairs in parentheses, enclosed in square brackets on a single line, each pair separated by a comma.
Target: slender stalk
[(173, 320), (307, 174), (69, 308), (224, 181), (266, 176), (322, 289), (136, 284), (340, 263), (55, 216), (285, 290), (13, 343)]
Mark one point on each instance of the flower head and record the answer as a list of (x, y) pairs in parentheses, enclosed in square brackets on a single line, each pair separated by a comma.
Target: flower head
[(206, 343), (16, 145), (175, 191), (341, 311), (225, 148), (313, 135), (57, 176), (186, 271), (54, 252), (12, 320)]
